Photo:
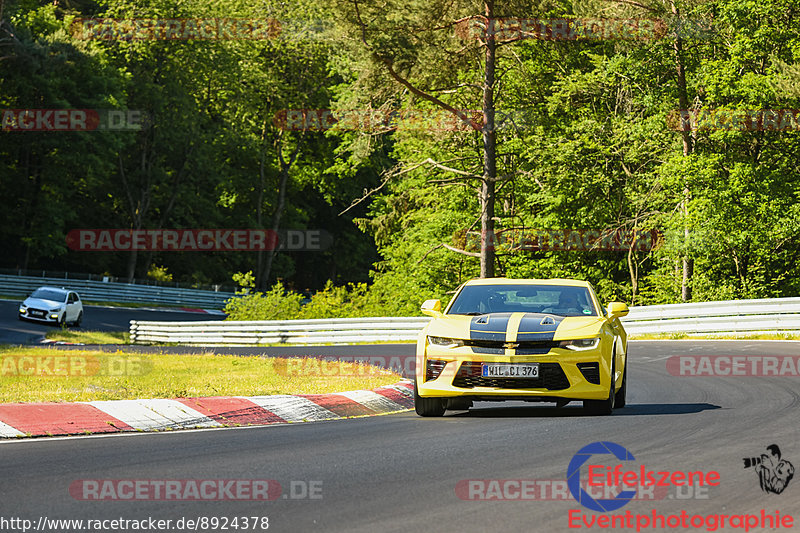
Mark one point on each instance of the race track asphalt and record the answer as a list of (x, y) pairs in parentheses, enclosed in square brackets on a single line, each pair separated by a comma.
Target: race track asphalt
[(401, 472), (95, 318)]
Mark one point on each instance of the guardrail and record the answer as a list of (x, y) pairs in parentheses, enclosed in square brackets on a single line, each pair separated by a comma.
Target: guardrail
[(316, 331), (767, 315), (100, 291), (734, 316), (105, 278)]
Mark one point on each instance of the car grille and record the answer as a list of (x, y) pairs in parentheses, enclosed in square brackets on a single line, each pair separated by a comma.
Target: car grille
[(498, 347), (39, 313), (551, 377)]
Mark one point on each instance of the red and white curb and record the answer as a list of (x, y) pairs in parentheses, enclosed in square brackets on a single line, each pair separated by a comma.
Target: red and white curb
[(51, 419), (206, 311)]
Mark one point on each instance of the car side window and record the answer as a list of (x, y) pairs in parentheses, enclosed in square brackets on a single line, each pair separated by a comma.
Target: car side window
[(71, 298)]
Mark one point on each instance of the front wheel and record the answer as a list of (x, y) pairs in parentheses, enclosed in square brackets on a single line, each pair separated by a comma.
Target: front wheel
[(601, 407), (619, 398), (427, 406)]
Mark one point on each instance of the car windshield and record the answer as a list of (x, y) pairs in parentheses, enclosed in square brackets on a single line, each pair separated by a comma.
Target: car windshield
[(50, 294), (551, 299)]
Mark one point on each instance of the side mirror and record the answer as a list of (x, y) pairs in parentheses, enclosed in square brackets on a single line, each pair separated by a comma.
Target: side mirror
[(617, 309), (432, 308)]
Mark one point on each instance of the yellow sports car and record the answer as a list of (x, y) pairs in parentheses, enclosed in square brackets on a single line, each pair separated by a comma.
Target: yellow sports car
[(522, 339)]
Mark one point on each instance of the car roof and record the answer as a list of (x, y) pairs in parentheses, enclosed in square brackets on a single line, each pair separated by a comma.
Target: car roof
[(525, 281), (58, 289)]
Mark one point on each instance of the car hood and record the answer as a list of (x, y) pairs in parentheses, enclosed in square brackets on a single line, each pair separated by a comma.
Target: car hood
[(42, 303), (515, 327)]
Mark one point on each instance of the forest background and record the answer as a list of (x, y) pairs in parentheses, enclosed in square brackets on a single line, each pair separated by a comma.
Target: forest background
[(459, 121)]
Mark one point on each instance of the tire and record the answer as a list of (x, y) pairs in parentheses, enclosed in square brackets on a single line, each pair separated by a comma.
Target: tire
[(619, 397), (428, 406), (602, 407), (457, 404), (62, 323), (78, 320)]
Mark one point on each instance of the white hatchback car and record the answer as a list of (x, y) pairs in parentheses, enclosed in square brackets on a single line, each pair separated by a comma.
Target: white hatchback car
[(51, 304)]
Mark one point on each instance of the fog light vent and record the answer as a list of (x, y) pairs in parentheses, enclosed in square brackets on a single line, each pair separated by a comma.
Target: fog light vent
[(590, 371), (433, 368)]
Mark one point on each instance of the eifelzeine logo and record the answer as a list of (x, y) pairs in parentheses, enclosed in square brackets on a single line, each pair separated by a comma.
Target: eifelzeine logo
[(574, 470), (604, 476)]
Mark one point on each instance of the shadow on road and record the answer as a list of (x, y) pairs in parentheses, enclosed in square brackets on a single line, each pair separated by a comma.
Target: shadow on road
[(644, 409)]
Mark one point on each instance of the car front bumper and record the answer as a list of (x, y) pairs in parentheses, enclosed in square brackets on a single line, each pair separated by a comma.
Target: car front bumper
[(563, 374), (45, 319)]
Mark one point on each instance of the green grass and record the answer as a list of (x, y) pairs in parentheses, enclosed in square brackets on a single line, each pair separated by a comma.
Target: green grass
[(89, 337), (85, 375), (713, 336)]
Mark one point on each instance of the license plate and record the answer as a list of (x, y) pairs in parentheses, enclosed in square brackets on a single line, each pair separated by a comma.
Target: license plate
[(504, 370), (40, 314)]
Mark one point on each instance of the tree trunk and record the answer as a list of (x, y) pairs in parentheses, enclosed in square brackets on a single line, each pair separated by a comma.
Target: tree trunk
[(276, 217), (276, 221), (488, 182), (633, 267), (260, 285), (34, 171), (688, 148)]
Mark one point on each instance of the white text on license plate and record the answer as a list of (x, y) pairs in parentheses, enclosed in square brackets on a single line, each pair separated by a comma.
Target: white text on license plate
[(505, 370)]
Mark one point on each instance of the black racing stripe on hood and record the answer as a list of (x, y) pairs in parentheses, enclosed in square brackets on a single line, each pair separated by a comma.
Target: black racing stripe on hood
[(532, 328), (491, 327)]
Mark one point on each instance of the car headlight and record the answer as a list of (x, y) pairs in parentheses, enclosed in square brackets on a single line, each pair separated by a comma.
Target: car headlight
[(56, 310), (579, 345), (445, 342)]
